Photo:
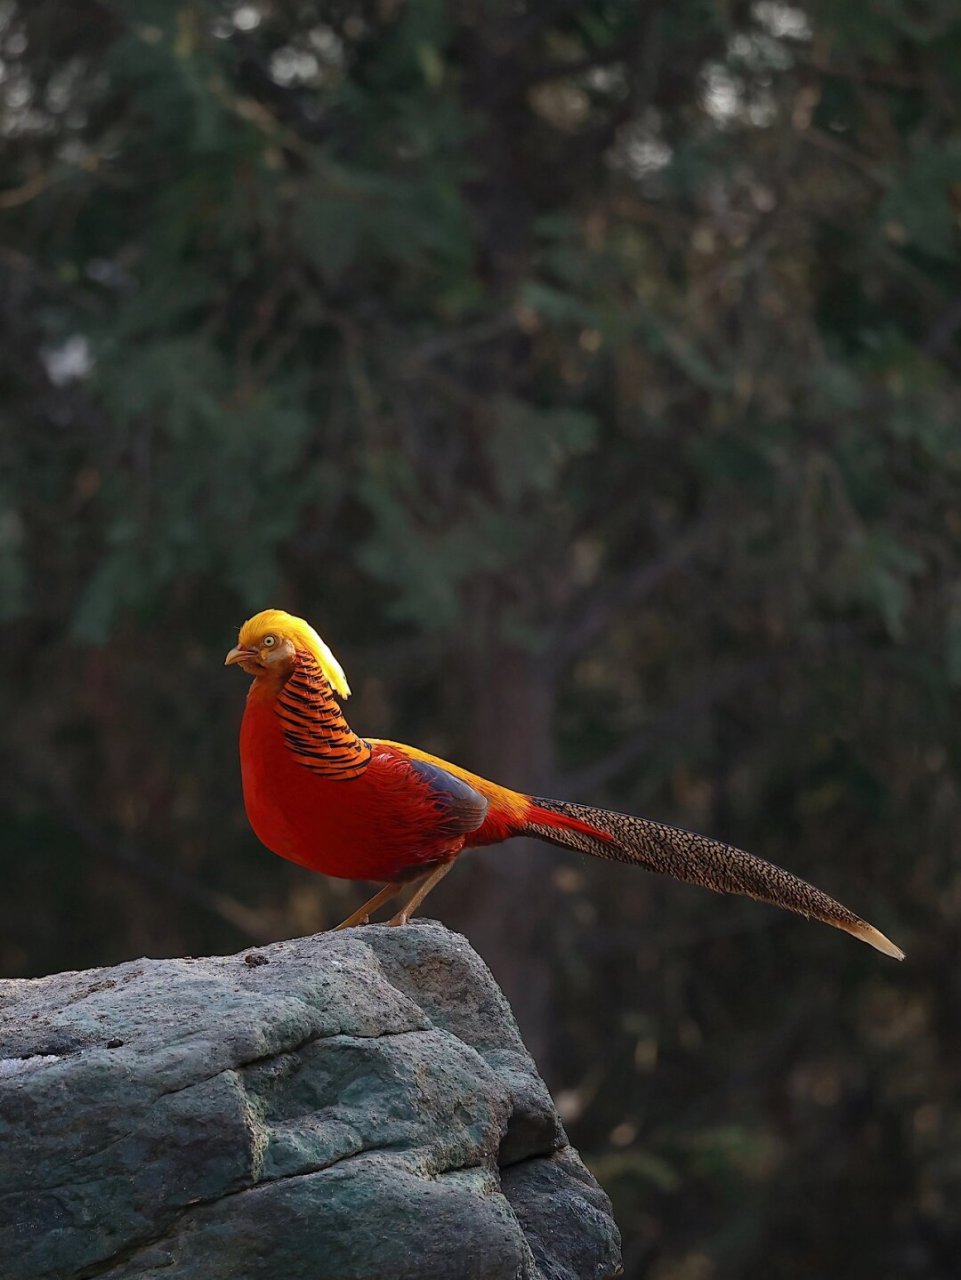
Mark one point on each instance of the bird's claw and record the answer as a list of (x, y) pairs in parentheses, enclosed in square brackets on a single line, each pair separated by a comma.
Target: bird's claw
[(351, 923)]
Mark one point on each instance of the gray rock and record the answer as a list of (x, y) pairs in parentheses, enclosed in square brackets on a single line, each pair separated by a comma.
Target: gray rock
[(353, 1106)]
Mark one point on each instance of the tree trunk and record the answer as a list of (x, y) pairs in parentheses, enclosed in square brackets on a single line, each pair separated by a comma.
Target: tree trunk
[(505, 907)]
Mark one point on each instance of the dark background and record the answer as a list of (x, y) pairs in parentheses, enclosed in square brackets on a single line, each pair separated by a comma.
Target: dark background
[(588, 373)]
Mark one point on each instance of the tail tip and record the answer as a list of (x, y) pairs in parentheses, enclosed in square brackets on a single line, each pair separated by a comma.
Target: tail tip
[(875, 938)]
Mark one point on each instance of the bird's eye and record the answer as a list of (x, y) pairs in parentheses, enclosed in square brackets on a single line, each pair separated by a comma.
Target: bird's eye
[(268, 642)]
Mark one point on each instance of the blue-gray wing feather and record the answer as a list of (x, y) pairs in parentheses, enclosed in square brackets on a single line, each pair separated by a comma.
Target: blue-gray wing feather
[(461, 807)]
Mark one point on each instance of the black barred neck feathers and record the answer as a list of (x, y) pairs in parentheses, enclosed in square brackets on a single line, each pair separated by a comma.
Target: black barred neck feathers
[(315, 730)]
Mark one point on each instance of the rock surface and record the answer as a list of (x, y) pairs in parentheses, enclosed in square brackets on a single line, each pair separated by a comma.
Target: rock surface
[(352, 1106)]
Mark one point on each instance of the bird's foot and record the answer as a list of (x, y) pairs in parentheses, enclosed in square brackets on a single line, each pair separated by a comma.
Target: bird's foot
[(351, 922), (363, 912)]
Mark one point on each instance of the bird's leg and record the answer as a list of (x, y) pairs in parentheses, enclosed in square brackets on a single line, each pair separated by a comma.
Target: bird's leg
[(424, 887), (361, 915)]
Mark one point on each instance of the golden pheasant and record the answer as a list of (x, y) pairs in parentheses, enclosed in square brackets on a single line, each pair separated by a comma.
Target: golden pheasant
[(367, 809)]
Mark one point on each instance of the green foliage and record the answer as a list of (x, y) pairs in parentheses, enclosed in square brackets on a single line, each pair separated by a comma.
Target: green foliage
[(918, 209), (589, 375)]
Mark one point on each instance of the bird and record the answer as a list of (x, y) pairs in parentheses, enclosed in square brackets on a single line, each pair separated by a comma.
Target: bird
[(370, 809)]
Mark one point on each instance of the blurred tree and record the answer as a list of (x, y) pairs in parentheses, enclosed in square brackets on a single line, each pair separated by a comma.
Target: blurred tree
[(589, 373)]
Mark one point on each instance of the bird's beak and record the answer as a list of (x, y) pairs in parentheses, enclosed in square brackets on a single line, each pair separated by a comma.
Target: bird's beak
[(239, 654)]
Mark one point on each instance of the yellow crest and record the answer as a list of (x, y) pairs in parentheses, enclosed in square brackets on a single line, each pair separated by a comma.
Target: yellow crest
[(302, 636)]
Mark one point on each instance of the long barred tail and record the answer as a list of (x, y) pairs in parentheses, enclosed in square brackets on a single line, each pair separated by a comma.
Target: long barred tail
[(696, 859)]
